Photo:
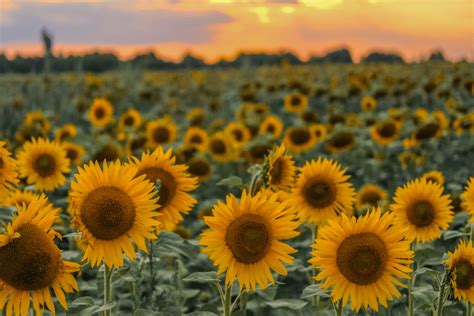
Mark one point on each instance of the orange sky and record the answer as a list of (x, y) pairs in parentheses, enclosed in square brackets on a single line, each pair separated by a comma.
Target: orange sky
[(410, 27)]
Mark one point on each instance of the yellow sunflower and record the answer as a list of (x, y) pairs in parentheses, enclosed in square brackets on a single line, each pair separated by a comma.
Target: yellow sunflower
[(257, 152), (175, 183), (339, 142), (101, 112), (468, 198), (461, 264), (196, 137), (114, 210), (362, 259), (130, 119), (31, 264), (296, 102), (200, 168), (161, 132), (280, 170), (244, 239), (434, 176), (319, 131), (271, 125), (368, 103), (195, 116), (8, 171), (43, 163), (221, 148), (238, 132), (370, 195), (322, 192), (37, 121), (464, 123), (66, 132), (421, 207), (20, 197), (299, 139), (386, 132), (74, 152)]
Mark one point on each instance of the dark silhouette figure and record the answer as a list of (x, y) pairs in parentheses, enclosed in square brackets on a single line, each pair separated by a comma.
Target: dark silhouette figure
[(48, 47)]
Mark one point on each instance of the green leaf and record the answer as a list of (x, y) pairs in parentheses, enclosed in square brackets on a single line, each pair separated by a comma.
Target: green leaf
[(231, 182), (287, 303), (313, 290), (105, 307), (450, 234), (202, 277), (202, 313), (85, 300)]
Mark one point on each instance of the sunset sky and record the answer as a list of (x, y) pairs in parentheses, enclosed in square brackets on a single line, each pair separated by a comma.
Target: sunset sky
[(216, 28)]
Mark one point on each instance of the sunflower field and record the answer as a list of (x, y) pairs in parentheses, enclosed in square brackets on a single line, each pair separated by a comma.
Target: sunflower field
[(279, 190)]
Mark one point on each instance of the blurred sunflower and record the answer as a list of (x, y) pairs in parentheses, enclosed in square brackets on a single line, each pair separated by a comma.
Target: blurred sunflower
[(114, 210), (434, 176), (221, 148), (238, 132), (309, 117), (161, 132), (19, 197), (280, 170), (368, 103), (196, 116), (296, 102), (131, 118), (464, 123), (135, 144), (74, 152), (319, 131), (257, 151), (271, 125), (386, 132), (370, 195), (31, 264), (66, 132), (200, 168), (109, 152), (468, 197), (8, 171), (461, 265), (420, 115), (421, 207), (298, 139), (339, 142), (43, 163), (244, 239), (196, 137), (362, 259), (100, 112), (175, 183), (322, 192), (37, 121)]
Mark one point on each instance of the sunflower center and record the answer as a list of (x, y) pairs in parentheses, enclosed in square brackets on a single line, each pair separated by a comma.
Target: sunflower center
[(386, 129), (362, 257), (2, 163), (276, 172), (30, 262), (371, 198), (421, 214), (99, 113), (427, 131), (218, 147), (109, 152), (258, 152), (342, 140), (161, 134), (319, 193), (299, 136), (271, 128), (295, 101), (238, 135), (432, 179), (167, 183), (464, 275), (71, 154), (129, 121), (248, 238), (108, 212), (199, 167), (195, 139), (44, 165)]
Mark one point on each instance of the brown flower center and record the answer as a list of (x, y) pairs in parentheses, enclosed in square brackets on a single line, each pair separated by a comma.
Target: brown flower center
[(259, 151), (108, 213), (248, 238), (299, 136), (342, 140), (427, 131), (421, 214), (99, 113), (464, 275), (161, 135), (196, 139), (168, 184), (72, 154), (387, 129), (218, 147), (129, 121), (238, 135), (199, 167), (371, 197), (277, 171), (295, 100), (271, 128), (108, 152), (362, 257), (44, 165), (319, 193), (30, 262)]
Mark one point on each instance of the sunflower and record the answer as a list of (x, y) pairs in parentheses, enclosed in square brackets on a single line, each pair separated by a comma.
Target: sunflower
[(74, 152), (309, 117), (370, 195), (244, 239), (161, 132), (319, 131), (221, 148), (280, 171), (195, 116), (296, 102), (43, 163), (66, 132), (362, 259), (464, 123), (461, 265), (19, 197), (271, 125), (434, 176), (175, 183), (196, 137), (368, 103), (339, 142), (37, 121), (131, 118), (100, 112), (468, 197), (200, 168), (386, 132), (421, 207), (113, 210), (109, 152), (298, 139), (8, 171), (257, 151), (31, 264), (238, 132), (135, 144), (322, 191)]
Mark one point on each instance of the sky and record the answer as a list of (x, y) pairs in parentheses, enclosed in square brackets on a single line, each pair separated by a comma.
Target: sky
[(213, 29)]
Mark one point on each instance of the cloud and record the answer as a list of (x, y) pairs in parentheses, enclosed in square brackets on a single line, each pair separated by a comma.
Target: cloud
[(104, 23)]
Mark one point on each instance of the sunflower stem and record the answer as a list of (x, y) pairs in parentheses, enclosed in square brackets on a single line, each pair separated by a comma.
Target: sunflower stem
[(411, 283), (469, 309), (107, 288), (439, 310), (339, 308), (314, 234), (227, 303)]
